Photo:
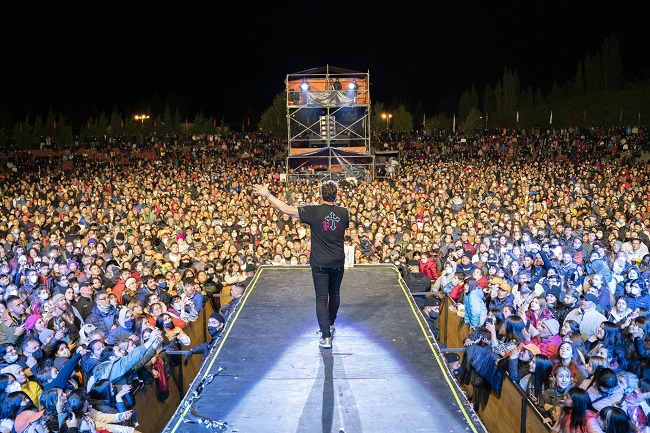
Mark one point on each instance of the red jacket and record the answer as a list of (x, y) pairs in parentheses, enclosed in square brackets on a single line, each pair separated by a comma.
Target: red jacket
[(429, 269), (548, 346)]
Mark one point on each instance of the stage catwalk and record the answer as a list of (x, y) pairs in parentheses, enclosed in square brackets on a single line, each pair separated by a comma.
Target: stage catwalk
[(383, 373)]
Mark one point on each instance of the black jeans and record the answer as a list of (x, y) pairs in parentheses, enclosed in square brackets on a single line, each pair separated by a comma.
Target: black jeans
[(327, 284)]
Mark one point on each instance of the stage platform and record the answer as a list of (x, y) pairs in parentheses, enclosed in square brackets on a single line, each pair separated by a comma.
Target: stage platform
[(384, 372)]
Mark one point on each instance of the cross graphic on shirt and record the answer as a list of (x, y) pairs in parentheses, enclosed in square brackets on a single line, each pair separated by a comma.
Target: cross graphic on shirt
[(332, 219)]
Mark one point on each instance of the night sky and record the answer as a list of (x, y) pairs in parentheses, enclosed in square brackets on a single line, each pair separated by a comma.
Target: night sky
[(227, 58)]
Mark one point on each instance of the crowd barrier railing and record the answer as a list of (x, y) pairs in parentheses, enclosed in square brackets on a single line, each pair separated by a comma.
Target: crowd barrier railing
[(153, 414), (509, 412)]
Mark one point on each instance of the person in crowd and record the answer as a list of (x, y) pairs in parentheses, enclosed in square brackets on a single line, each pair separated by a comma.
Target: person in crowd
[(118, 366), (553, 398), (603, 388), (538, 378), (609, 336), (504, 296), (570, 357), (570, 302), (548, 339), (102, 315), (588, 317), (475, 309), (577, 414), (514, 336), (620, 311), (612, 419), (441, 284), (216, 323), (415, 280), (237, 293), (431, 312)]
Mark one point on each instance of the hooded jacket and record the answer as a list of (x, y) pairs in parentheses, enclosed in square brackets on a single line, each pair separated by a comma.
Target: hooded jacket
[(475, 309)]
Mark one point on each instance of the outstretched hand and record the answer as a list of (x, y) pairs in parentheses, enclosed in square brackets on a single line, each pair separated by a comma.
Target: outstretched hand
[(260, 190)]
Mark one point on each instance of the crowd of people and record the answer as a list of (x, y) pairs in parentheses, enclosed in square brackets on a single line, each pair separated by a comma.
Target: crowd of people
[(541, 239)]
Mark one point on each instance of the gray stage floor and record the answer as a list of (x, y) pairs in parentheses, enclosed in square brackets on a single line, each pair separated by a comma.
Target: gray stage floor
[(383, 374)]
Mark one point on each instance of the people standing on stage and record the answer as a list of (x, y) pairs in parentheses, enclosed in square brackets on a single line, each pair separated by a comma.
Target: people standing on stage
[(328, 223)]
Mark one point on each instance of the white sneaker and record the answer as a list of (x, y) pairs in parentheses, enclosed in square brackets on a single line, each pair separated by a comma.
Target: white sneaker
[(325, 343)]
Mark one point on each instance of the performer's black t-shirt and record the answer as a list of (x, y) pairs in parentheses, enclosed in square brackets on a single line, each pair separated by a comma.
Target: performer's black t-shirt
[(328, 224)]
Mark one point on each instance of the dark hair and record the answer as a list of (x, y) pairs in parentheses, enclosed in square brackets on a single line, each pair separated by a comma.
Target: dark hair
[(514, 326), (49, 400), (44, 374), (578, 411), (4, 382), (13, 298), (160, 321), (575, 326), (511, 308), (329, 190), (498, 315), (13, 404), (542, 374), (137, 327), (98, 294), (76, 401), (616, 420), (605, 378), (102, 390), (92, 344), (612, 335), (107, 353), (471, 283)]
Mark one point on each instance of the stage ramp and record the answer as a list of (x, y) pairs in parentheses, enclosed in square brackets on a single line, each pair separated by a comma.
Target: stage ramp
[(268, 374)]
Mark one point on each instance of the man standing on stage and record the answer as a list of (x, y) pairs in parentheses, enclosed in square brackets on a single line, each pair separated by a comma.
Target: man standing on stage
[(328, 223)]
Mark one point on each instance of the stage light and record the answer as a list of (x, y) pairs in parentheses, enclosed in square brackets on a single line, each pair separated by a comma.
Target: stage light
[(353, 85), (305, 85)]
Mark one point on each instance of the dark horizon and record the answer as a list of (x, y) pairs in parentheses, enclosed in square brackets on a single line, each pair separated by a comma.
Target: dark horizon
[(230, 61)]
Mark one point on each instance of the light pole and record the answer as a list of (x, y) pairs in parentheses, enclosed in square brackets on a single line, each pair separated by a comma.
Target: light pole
[(141, 118), (387, 117)]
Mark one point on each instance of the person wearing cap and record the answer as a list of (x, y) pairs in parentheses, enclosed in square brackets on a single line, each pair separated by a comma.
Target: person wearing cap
[(548, 339), (587, 317), (519, 362), (453, 362), (466, 266), (415, 280), (502, 290), (328, 223), (30, 421), (64, 318), (216, 323), (431, 311)]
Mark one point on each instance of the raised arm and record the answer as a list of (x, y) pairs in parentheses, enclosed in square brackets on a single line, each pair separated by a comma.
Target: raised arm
[(277, 204)]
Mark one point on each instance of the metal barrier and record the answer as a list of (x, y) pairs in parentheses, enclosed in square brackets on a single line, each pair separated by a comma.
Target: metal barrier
[(153, 414), (497, 414)]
